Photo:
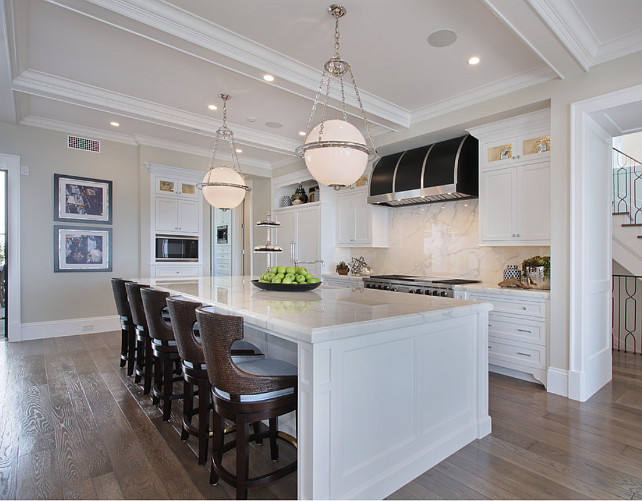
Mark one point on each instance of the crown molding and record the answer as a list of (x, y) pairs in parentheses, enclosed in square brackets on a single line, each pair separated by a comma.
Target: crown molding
[(514, 83), (77, 130), (61, 89), (212, 37), (569, 26)]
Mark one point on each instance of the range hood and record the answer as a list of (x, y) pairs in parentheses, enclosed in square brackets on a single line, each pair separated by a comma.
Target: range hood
[(438, 172)]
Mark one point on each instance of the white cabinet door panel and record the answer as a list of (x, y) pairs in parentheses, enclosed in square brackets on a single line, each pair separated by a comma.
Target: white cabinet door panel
[(534, 202), (496, 201), (188, 216), (166, 214)]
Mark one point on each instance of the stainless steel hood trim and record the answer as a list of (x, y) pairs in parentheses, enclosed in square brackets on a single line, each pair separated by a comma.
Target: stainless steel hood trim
[(394, 174), (426, 194), (423, 166)]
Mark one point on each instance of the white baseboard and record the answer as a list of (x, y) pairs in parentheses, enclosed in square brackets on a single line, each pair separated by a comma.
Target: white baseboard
[(557, 380), (70, 327)]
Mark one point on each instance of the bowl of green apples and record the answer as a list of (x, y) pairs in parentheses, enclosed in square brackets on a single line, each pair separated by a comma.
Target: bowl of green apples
[(287, 279)]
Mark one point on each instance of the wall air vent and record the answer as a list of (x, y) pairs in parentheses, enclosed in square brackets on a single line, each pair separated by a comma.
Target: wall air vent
[(81, 143)]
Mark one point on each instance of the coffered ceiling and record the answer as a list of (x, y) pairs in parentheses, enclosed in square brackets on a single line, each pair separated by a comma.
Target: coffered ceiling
[(155, 65)]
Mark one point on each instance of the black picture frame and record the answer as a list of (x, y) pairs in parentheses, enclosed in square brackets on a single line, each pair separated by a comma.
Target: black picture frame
[(78, 248), (82, 199)]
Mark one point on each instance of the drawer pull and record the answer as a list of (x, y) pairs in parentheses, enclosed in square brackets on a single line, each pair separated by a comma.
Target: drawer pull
[(524, 354), (524, 330)]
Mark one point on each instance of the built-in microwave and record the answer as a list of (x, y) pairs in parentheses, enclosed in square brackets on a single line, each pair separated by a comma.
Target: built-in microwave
[(176, 248)]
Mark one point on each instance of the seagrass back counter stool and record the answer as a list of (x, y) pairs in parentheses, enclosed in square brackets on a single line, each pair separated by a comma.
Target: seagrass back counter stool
[(164, 349), (144, 357), (244, 393), (127, 344), (182, 313)]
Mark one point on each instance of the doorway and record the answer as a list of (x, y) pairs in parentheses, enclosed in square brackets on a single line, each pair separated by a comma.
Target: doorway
[(3, 254), (10, 165), (592, 133)]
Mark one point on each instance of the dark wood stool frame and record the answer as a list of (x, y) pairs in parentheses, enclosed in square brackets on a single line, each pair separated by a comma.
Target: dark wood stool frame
[(127, 346), (218, 332), (165, 353), (144, 356)]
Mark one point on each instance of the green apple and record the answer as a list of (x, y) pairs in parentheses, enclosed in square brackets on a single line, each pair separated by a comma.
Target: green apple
[(308, 276), (300, 278), (313, 281), (302, 271), (281, 275), (276, 280), (281, 269), (290, 276), (274, 269), (286, 280), (291, 270)]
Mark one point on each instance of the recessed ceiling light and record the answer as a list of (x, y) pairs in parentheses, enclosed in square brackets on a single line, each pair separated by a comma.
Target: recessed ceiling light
[(474, 60), (239, 150), (442, 38), (114, 124), (273, 125), (212, 107), (301, 133), (251, 119), (268, 78)]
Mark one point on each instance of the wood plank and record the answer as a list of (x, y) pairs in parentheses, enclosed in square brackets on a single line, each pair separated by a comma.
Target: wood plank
[(106, 487), (38, 477)]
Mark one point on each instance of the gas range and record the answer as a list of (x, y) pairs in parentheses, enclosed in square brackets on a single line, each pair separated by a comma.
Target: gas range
[(415, 285)]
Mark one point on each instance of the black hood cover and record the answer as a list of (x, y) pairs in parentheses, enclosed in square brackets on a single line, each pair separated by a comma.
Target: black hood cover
[(448, 170)]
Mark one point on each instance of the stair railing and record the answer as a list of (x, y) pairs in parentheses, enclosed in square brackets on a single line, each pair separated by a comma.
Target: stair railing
[(627, 186), (626, 334)]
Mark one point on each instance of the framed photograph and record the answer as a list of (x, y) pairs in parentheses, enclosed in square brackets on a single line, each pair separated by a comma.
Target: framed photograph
[(82, 249), (82, 199)]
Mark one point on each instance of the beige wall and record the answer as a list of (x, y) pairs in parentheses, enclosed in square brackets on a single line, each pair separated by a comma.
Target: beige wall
[(48, 296)]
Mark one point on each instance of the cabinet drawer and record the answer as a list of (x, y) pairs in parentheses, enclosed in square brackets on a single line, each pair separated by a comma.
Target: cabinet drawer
[(528, 331), (504, 305), (178, 271), (530, 356)]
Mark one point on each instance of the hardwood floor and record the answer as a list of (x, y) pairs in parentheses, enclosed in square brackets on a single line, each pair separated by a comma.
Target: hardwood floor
[(74, 426)]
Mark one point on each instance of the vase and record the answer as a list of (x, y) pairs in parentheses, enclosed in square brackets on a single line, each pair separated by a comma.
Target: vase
[(536, 279)]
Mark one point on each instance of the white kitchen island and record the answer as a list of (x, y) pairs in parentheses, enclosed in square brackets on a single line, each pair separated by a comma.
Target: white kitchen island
[(389, 384)]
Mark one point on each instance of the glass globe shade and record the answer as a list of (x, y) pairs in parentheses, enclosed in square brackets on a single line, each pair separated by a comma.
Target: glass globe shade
[(223, 197), (336, 165)]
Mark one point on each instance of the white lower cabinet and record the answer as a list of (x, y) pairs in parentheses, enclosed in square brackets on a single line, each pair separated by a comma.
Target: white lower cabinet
[(517, 331), (177, 271)]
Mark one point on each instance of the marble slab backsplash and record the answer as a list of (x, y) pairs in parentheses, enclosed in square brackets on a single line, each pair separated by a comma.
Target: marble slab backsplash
[(442, 240)]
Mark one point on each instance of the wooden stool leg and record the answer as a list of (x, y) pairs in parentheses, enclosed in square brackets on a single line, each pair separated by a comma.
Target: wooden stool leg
[(131, 355), (167, 387), (217, 445), (203, 421), (140, 360), (274, 446), (158, 379), (188, 409), (257, 432), (149, 366), (124, 344), (242, 457)]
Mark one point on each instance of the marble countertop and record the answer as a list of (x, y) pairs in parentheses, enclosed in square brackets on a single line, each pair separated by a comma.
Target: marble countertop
[(347, 278), (324, 314), (494, 288)]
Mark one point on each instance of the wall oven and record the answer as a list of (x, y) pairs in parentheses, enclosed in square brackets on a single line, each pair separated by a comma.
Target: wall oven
[(176, 248)]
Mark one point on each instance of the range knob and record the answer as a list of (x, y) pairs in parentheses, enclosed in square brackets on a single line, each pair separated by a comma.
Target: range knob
[(418, 291), (385, 287), (411, 291), (435, 293), (393, 289), (427, 292), (444, 294)]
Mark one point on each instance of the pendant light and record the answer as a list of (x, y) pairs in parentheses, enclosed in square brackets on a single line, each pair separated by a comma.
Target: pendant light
[(224, 187), (335, 151)]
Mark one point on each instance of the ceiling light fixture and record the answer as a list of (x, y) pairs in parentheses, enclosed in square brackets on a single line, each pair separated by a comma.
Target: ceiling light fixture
[(224, 187), (334, 151), (474, 60), (114, 124), (268, 78), (212, 107)]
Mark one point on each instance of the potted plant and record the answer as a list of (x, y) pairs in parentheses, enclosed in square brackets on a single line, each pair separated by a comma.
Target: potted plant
[(536, 272), (342, 268)]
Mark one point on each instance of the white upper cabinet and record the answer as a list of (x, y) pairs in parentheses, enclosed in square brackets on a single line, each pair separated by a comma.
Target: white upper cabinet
[(177, 203), (358, 223), (515, 181)]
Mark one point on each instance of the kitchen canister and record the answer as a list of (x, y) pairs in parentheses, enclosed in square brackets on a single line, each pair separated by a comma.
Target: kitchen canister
[(512, 271), (285, 201)]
